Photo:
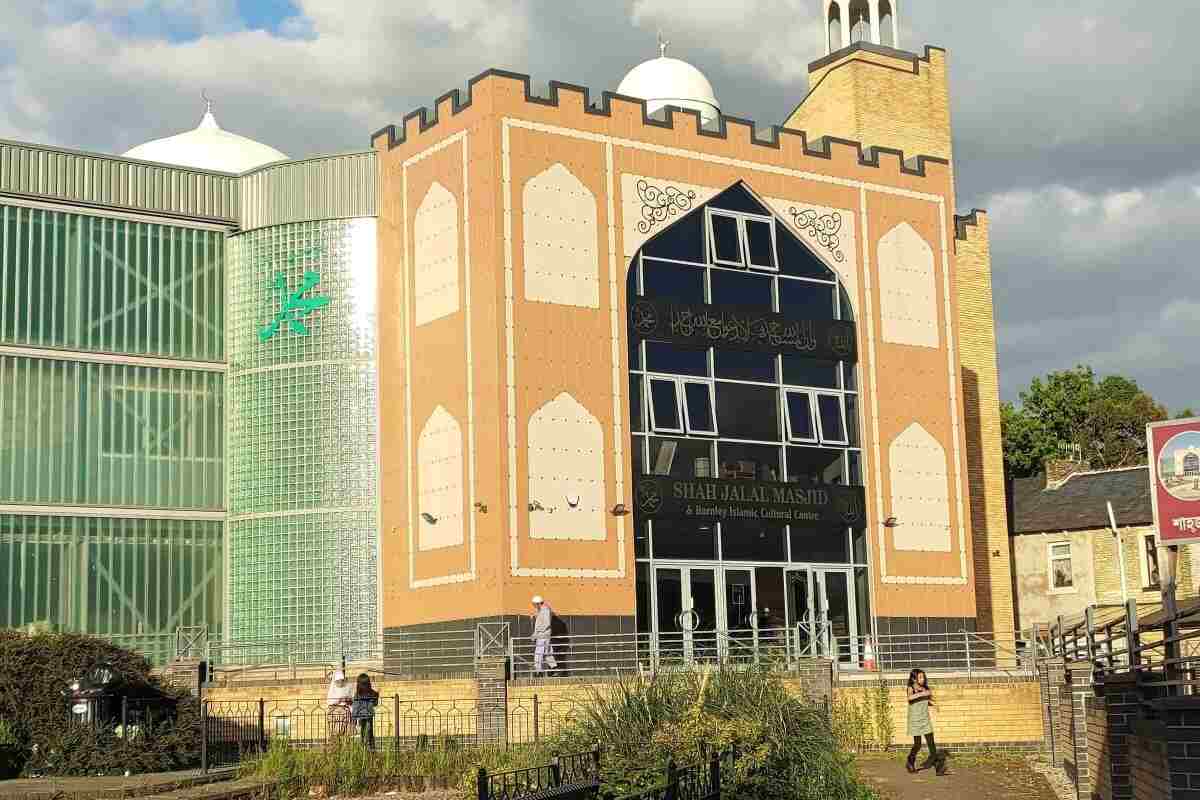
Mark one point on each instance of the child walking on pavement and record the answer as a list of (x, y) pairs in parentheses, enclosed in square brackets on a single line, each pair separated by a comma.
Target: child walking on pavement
[(920, 702), (543, 650)]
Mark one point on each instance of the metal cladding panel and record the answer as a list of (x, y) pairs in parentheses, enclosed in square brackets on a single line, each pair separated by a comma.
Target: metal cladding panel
[(112, 182), (303, 433), (333, 187)]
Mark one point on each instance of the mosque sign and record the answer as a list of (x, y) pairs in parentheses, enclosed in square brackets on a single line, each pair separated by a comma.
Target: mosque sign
[(735, 328), (294, 304), (754, 501), (1174, 448)]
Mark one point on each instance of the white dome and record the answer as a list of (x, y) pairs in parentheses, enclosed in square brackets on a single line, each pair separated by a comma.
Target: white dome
[(208, 147), (667, 81)]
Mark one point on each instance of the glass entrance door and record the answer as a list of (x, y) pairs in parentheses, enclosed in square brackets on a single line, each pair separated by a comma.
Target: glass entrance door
[(686, 602), (836, 614), (801, 616)]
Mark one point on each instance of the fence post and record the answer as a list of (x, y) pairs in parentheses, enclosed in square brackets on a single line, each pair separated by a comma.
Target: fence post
[(672, 788), (204, 737), (396, 723), (536, 726), (1062, 638), (714, 775), (125, 717), (967, 645), (262, 725), (1131, 634), (1089, 619), (481, 784), (556, 772), (596, 759)]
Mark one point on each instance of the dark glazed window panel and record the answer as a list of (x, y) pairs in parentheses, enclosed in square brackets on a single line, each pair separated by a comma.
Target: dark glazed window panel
[(643, 598), (641, 541), (639, 455), (806, 300), (698, 397), (751, 542), (736, 198), (852, 419), (829, 408), (844, 305), (850, 372), (804, 371), (748, 412), (862, 599), (672, 281), (801, 423), (759, 242), (858, 539), (636, 420), (741, 366), (814, 465), (748, 461), (675, 360), (854, 459), (731, 288), (727, 245), (682, 241), (635, 353), (819, 545), (684, 540), (680, 458), (664, 405), (796, 259)]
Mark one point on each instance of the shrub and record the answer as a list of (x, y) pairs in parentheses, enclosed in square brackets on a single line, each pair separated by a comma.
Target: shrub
[(34, 671), (788, 747)]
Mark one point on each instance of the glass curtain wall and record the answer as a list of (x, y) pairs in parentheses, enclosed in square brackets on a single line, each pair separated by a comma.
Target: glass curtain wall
[(84, 433), (729, 414)]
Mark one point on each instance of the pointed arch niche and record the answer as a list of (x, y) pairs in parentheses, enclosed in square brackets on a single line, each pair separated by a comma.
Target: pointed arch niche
[(559, 221), (435, 255), (920, 484), (566, 472), (440, 482), (907, 290)]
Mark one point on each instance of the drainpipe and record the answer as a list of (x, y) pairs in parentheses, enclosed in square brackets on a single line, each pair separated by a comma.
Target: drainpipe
[(1112, 522)]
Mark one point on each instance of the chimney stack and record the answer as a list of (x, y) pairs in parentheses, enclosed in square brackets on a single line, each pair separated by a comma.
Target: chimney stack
[(1059, 469)]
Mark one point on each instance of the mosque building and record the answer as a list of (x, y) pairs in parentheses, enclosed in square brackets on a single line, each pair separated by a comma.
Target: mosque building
[(682, 378)]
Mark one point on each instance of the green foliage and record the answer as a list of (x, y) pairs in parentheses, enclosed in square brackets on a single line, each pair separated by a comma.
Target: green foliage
[(345, 767), (8, 736), (787, 747), (1105, 419), (34, 671), (864, 723)]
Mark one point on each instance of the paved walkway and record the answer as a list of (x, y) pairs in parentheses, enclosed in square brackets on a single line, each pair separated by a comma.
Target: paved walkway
[(973, 777), (108, 787)]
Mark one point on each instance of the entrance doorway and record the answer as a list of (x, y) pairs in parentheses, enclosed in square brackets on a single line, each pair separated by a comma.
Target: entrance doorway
[(704, 612), (821, 614)]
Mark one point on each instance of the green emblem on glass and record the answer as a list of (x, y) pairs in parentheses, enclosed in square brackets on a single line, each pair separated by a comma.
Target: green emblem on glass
[(293, 305)]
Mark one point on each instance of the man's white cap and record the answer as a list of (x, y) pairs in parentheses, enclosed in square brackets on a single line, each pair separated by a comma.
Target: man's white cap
[(537, 599)]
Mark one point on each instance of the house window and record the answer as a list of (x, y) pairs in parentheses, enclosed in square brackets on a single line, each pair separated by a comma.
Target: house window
[(1149, 561), (1062, 575), (742, 240), (678, 405), (801, 424)]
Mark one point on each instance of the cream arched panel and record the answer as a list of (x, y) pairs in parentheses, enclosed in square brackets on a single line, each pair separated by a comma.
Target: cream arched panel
[(440, 482), (907, 288), (920, 484), (562, 260), (435, 255), (566, 472)]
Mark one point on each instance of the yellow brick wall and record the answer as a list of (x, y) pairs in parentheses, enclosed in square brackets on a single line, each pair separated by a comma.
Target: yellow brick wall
[(981, 406), (979, 711), (1108, 572), (447, 689), (879, 100)]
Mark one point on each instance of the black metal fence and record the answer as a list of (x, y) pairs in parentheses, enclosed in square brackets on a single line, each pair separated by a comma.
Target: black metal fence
[(572, 777), (702, 780)]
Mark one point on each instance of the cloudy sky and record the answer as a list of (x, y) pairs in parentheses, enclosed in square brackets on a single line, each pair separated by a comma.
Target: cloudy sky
[(1077, 123)]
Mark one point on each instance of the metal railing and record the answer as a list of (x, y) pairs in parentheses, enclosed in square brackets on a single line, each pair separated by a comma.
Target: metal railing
[(703, 780), (567, 777)]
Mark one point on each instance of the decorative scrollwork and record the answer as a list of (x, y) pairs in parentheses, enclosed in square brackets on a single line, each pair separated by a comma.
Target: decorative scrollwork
[(659, 203), (822, 227)]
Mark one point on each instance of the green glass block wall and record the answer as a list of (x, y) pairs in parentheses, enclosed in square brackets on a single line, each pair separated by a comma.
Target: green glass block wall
[(132, 580), (82, 282), (74, 433), (303, 434)]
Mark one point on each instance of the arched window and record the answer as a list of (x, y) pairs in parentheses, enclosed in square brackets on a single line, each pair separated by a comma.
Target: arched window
[(1191, 464), (887, 24), (859, 19), (833, 28)]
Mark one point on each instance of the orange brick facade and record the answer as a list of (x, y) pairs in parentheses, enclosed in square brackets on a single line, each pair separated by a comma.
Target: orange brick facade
[(468, 360)]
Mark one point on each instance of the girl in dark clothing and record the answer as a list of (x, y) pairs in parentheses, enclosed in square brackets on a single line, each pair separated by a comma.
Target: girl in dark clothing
[(920, 702), (362, 710)]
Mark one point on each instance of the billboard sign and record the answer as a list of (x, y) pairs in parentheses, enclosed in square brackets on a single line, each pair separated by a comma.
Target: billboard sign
[(1174, 450)]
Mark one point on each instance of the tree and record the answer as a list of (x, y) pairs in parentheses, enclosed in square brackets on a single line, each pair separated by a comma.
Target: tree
[(1104, 421)]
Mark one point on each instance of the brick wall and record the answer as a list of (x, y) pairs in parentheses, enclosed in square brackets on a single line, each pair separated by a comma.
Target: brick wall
[(1108, 736), (448, 689), (1148, 764), (983, 711), (981, 409)]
